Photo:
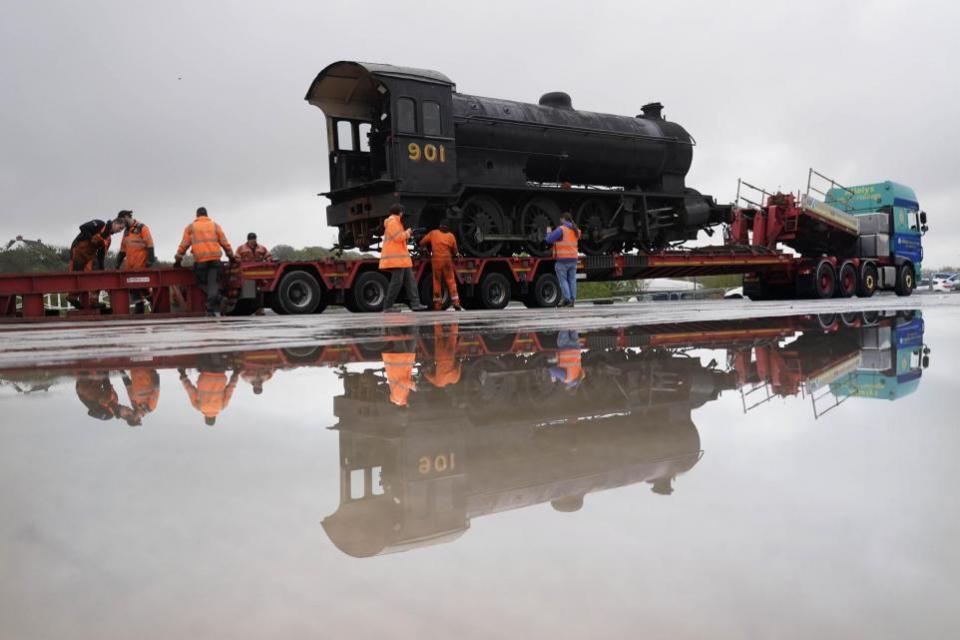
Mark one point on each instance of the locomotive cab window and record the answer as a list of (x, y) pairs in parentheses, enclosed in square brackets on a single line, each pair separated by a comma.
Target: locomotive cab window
[(431, 118), (364, 129), (406, 115), (344, 135)]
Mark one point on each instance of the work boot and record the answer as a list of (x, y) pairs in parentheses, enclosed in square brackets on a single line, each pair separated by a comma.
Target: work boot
[(394, 308), (457, 307), (564, 303), (419, 307)]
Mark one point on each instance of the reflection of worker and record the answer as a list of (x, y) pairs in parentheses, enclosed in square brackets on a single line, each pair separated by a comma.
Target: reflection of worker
[(398, 364), (97, 394), (395, 258), (443, 247), (446, 365), (252, 251), (569, 369), (564, 240), (258, 367), (88, 253), (136, 252), (212, 393), (143, 391), (205, 238)]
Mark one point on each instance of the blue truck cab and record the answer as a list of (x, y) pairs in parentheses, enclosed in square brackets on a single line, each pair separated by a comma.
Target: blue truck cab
[(891, 362), (906, 223)]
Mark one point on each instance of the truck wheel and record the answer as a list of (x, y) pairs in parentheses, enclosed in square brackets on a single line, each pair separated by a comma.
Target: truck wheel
[(298, 293), (905, 281), (867, 285), (494, 291), (847, 280), (544, 292), (824, 280), (426, 292), (369, 292)]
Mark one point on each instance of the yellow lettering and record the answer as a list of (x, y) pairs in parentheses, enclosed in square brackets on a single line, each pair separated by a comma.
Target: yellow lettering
[(413, 151), (430, 153), (424, 466), (440, 463), (443, 154)]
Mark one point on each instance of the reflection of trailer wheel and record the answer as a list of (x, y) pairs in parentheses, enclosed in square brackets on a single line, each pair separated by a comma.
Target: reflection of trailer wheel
[(298, 293), (847, 280), (824, 280), (850, 319), (827, 321), (544, 292), (905, 282), (867, 285), (871, 318), (302, 355), (494, 291), (369, 292)]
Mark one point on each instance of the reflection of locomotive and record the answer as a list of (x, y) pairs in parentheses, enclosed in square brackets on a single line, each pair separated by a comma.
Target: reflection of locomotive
[(500, 170), (417, 476)]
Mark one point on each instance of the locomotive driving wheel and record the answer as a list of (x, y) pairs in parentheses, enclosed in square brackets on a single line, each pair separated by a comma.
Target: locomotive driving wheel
[(482, 216), (593, 216), (538, 214)]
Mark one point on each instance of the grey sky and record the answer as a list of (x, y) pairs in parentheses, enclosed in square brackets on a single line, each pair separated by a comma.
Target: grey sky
[(161, 107)]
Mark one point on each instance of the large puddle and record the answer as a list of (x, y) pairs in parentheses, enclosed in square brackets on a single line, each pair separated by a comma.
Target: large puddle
[(775, 477)]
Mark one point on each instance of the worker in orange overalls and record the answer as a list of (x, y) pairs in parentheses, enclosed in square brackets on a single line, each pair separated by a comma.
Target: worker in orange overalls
[(398, 365), (88, 253), (395, 258), (443, 247), (205, 238), (212, 393), (136, 252), (253, 251), (446, 369), (97, 394), (569, 369), (143, 390)]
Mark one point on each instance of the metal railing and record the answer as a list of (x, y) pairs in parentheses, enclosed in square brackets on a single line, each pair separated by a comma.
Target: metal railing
[(816, 183), (759, 193)]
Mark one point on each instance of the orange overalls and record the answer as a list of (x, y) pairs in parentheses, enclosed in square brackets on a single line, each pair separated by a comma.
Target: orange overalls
[(136, 244), (85, 255), (443, 246), (446, 366), (212, 393), (399, 370), (97, 394), (143, 389)]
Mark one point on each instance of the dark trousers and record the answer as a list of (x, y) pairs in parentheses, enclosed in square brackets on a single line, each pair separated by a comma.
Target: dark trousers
[(403, 277), (208, 276)]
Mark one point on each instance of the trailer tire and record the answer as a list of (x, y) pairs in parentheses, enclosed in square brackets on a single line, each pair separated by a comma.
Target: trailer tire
[(544, 292), (368, 293), (299, 293), (847, 280), (867, 284), (425, 288), (905, 280), (494, 291), (824, 280)]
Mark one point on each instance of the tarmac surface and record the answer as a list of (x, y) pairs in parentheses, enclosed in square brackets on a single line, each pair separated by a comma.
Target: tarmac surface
[(62, 342)]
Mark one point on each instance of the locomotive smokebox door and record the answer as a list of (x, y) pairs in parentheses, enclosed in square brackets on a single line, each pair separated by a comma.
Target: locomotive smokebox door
[(424, 151)]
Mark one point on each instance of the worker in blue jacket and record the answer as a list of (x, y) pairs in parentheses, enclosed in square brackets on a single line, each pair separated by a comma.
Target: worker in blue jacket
[(565, 239)]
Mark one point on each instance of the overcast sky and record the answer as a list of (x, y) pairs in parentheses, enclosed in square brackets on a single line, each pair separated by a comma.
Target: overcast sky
[(164, 106)]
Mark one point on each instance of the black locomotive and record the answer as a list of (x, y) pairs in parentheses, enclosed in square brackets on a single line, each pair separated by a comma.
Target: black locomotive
[(501, 171)]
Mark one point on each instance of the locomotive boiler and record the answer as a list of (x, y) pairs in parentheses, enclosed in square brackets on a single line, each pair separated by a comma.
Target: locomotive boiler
[(500, 171)]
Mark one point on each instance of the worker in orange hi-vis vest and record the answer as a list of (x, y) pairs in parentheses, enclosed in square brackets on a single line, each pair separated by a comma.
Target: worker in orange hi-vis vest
[(446, 367), (569, 370), (395, 258), (253, 251), (443, 248), (398, 365), (205, 239), (136, 252), (565, 240), (212, 393), (143, 390)]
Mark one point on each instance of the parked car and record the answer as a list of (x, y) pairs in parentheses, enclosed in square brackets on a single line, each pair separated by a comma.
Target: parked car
[(734, 294)]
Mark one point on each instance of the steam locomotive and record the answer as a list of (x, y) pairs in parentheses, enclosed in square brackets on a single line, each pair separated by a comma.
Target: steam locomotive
[(499, 171)]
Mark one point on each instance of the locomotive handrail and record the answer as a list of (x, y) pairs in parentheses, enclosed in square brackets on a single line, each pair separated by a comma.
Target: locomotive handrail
[(540, 125)]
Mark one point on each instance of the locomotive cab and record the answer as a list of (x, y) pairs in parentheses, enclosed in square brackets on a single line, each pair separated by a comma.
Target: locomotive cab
[(389, 130)]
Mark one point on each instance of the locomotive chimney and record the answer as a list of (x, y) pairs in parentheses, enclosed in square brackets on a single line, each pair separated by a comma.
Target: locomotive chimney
[(652, 111), (557, 100)]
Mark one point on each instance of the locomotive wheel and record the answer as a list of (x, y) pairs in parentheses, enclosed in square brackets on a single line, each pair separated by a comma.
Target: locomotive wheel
[(481, 215), (538, 214), (847, 280), (593, 215)]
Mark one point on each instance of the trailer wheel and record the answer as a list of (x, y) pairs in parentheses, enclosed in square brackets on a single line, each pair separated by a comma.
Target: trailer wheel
[(298, 293), (824, 280), (369, 292), (847, 280), (494, 291), (867, 284), (905, 281), (544, 292)]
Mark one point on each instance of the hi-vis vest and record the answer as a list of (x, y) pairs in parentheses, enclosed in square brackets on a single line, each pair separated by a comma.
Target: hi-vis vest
[(399, 370), (566, 247), (394, 253), (570, 361), (204, 237)]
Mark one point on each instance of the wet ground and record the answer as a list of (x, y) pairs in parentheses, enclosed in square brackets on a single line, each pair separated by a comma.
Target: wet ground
[(661, 471)]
